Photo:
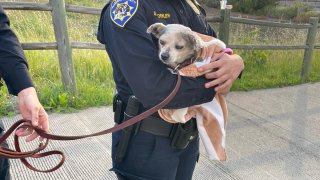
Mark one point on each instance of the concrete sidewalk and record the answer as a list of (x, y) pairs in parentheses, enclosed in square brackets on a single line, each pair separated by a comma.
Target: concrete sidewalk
[(272, 134)]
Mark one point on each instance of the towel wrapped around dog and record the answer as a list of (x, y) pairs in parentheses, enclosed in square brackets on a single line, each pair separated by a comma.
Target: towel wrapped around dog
[(211, 118)]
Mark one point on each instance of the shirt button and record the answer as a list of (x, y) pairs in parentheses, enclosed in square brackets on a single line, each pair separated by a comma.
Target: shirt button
[(181, 11)]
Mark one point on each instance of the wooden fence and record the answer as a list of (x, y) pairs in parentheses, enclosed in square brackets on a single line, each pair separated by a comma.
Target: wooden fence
[(64, 46)]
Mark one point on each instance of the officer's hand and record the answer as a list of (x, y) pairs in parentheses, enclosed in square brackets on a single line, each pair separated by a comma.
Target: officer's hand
[(31, 109), (224, 70), (208, 52)]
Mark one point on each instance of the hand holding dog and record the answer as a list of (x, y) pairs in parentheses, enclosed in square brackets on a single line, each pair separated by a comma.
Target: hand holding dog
[(31, 109), (210, 50), (228, 67)]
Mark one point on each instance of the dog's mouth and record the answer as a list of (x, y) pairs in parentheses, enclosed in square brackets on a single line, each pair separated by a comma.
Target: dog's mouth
[(175, 66), (187, 62)]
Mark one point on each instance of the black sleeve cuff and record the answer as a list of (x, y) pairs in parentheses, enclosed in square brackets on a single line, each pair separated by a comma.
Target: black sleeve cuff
[(18, 80), (191, 94)]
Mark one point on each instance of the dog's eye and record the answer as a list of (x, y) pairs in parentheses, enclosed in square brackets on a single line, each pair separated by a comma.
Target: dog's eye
[(161, 42), (179, 47)]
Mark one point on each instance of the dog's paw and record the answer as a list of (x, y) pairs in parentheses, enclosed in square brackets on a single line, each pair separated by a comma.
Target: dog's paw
[(216, 42), (179, 115)]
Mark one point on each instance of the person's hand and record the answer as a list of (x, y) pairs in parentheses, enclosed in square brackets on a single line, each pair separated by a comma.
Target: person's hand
[(31, 109), (227, 69), (208, 52)]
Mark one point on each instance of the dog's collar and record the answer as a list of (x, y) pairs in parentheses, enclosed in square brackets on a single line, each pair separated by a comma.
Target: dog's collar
[(176, 68), (187, 62)]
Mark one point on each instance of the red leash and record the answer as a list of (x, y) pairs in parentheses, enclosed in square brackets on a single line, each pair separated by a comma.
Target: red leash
[(18, 154)]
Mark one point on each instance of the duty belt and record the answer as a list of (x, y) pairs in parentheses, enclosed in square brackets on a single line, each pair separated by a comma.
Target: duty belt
[(156, 126)]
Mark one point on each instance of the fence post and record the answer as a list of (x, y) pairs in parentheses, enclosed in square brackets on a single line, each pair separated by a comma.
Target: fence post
[(224, 25), (311, 38), (64, 48)]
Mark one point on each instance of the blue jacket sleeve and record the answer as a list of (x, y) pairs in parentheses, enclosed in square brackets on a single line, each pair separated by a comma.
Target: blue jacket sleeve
[(133, 51), (13, 65)]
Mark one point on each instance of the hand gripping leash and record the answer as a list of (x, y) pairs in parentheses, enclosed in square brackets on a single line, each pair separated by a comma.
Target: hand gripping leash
[(18, 154)]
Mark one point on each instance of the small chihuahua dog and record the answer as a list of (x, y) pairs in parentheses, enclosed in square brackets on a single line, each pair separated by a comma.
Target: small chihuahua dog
[(180, 49), (179, 46)]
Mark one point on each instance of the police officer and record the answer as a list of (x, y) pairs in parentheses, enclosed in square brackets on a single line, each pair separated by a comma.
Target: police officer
[(153, 151), (14, 71)]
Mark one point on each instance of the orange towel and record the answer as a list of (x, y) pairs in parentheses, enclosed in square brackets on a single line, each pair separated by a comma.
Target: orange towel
[(211, 118)]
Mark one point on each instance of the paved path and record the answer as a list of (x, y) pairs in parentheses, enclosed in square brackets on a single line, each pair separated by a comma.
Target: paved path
[(272, 134)]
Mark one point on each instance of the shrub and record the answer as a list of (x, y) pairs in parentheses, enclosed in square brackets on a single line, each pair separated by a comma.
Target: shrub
[(288, 12), (251, 6), (210, 3), (256, 58), (306, 16)]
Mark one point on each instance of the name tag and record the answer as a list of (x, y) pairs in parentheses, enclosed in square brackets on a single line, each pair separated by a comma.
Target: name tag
[(161, 15)]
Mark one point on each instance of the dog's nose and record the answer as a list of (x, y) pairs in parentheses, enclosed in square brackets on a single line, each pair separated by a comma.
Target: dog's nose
[(165, 56)]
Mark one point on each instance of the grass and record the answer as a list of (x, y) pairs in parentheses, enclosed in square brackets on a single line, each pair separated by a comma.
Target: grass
[(92, 67), (264, 69), (281, 68), (277, 68)]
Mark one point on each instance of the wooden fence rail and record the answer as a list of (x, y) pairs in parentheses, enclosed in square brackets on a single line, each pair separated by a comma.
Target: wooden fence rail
[(58, 8), (308, 47)]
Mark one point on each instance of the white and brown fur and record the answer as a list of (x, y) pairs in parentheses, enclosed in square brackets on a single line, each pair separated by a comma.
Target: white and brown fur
[(178, 44), (178, 48)]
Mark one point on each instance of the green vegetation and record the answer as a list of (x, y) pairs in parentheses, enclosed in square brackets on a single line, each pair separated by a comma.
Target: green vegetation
[(267, 69), (251, 6), (93, 69), (297, 11), (244, 6), (277, 68), (264, 69)]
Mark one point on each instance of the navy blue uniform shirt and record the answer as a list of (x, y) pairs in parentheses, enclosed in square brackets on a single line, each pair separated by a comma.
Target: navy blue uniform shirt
[(13, 64), (134, 53)]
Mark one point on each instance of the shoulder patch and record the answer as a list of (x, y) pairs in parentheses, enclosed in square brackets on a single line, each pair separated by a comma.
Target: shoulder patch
[(123, 10)]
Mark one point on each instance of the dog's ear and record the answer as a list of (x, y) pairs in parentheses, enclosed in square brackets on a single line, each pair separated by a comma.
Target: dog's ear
[(194, 40), (157, 29)]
